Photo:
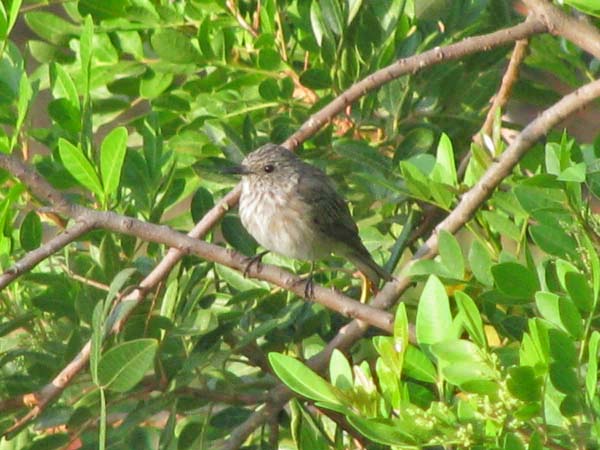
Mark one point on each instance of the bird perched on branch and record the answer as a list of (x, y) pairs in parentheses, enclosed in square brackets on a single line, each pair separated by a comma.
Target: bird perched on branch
[(292, 208)]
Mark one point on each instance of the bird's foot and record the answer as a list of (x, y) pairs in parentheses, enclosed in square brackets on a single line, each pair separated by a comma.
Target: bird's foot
[(254, 260), (309, 288)]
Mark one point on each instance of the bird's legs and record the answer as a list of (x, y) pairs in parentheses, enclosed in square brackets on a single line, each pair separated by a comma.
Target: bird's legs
[(256, 259), (309, 287)]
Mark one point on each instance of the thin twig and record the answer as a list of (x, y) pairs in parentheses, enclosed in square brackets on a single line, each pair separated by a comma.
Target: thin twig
[(231, 5), (34, 257), (500, 100), (508, 81)]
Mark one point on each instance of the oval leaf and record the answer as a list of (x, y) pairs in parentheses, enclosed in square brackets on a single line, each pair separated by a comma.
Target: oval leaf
[(79, 166), (112, 156), (124, 365), (30, 234), (434, 320), (303, 380)]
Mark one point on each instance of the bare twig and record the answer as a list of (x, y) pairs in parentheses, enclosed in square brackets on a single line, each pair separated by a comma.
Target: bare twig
[(500, 99), (232, 6), (508, 81), (412, 64), (31, 259)]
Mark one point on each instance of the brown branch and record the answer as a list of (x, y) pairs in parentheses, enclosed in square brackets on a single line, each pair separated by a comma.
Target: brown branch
[(232, 6), (508, 81), (500, 99), (469, 203), (413, 64), (31, 259), (84, 280), (579, 32), (185, 244)]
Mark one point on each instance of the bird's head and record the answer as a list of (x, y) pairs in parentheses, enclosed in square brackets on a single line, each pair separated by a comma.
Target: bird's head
[(270, 161)]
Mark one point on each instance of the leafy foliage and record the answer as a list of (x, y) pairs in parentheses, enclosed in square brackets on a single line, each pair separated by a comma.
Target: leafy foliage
[(134, 106)]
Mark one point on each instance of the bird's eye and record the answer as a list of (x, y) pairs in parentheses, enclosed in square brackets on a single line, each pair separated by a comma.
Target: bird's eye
[(269, 168)]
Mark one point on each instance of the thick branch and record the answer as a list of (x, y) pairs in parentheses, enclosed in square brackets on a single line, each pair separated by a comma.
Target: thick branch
[(578, 31)]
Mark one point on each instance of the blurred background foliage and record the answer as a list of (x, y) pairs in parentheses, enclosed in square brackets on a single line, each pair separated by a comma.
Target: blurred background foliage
[(135, 106)]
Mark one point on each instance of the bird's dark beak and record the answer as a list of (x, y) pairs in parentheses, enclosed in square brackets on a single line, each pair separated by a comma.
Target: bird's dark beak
[(237, 169)]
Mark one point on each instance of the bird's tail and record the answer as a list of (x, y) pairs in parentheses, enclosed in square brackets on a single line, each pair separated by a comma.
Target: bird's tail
[(370, 268)]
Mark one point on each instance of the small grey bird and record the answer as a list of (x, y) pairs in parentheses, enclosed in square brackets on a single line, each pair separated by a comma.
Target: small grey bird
[(292, 208)]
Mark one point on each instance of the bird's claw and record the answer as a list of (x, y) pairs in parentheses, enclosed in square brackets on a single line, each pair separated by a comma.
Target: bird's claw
[(309, 288), (256, 259)]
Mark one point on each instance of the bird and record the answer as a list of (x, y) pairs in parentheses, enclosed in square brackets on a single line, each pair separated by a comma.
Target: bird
[(292, 208)]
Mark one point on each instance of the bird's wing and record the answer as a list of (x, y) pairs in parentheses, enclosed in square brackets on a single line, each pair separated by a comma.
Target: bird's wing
[(330, 213)]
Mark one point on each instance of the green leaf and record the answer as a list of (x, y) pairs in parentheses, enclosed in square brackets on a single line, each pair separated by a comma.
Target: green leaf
[(445, 169), (580, 291), (269, 59), (560, 311), (316, 78), (455, 351), (468, 374), (523, 383), (51, 27), (451, 255), (515, 280), (434, 320), (340, 371), (79, 166), (471, 318), (591, 376), (332, 14), (383, 431), (63, 86), (352, 7), (587, 6), (106, 9), (112, 157), (13, 13), (480, 263), (269, 89), (236, 235), (303, 380), (124, 365), (418, 366), (154, 84), (98, 318), (563, 378), (316, 22), (554, 240), (401, 329), (30, 234), (175, 47), (202, 202), (575, 173), (200, 322)]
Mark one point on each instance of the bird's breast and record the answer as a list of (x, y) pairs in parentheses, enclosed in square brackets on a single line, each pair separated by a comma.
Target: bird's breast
[(281, 222)]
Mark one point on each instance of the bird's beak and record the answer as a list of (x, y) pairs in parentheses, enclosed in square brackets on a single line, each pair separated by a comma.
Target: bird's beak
[(237, 169)]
